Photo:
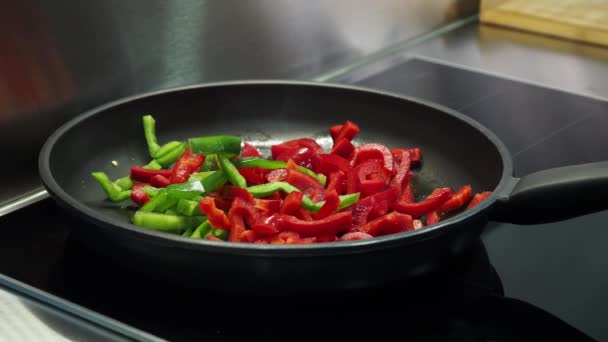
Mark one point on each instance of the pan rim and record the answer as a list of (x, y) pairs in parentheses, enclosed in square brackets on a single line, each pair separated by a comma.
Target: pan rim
[(303, 250)]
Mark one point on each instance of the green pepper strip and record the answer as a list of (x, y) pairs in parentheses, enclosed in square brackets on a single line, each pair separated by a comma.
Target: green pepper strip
[(231, 171), (276, 164), (267, 189), (202, 230), (214, 181), (188, 232), (209, 163), (150, 134), (168, 147), (114, 192), (125, 183), (153, 165), (188, 207), (153, 203), (172, 156), (191, 190), (229, 145), (200, 175), (171, 212), (166, 223), (219, 233), (150, 190)]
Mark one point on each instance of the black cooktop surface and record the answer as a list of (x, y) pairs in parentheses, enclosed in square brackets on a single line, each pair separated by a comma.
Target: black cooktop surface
[(519, 283)]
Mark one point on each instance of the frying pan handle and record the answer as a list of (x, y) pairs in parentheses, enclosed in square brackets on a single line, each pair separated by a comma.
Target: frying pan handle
[(555, 194)]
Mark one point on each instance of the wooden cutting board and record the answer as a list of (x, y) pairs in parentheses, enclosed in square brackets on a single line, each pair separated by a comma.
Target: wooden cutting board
[(582, 20)]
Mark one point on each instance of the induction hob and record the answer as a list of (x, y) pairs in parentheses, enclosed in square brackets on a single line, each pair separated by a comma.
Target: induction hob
[(466, 302)]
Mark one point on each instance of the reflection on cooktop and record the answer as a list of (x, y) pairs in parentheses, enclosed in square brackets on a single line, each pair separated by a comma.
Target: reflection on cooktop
[(532, 121)]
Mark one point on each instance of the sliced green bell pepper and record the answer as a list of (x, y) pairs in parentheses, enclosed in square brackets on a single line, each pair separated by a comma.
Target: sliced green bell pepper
[(210, 162), (276, 164), (166, 223), (188, 207), (215, 181), (172, 156), (114, 192), (232, 173), (150, 134), (228, 145)]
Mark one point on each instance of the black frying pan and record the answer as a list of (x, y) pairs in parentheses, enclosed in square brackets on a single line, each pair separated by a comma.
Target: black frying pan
[(456, 151)]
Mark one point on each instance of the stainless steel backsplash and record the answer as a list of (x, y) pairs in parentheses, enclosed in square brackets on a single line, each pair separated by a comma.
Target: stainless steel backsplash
[(59, 58)]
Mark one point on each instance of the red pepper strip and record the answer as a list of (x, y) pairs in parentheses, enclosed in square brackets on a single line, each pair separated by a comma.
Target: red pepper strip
[(334, 131), (330, 163), (348, 131), (432, 217), (402, 171), (304, 152), (355, 236), (254, 175), (389, 224), (326, 238), (307, 184), (244, 209), (250, 151), (415, 153), (277, 175), (268, 206), (292, 203), (374, 151), (332, 202), (407, 196), (371, 177), (304, 214), (237, 227), (478, 198), (213, 238), (343, 148), (221, 201), (241, 193), (159, 181), (336, 182), (362, 208), (187, 164), (247, 236), (378, 210), (144, 175), (264, 229), (138, 195), (458, 199), (333, 224), (417, 224), (216, 217), (432, 202)]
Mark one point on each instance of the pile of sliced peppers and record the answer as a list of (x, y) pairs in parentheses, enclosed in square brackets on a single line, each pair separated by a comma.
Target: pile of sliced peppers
[(222, 188)]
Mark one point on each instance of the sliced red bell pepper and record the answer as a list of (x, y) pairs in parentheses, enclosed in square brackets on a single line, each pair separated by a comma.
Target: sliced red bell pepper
[(239, 192), (348, 131), (326, 238), (334, 131), (417, 224), (159, 181), (292, 203), (403, 170), (432, 217), (304, 214), (304, 152), (458, 199), (407, 195), (264, 229), (248, 236), (335, 182), (216, 217), (330, 163), (138, 195), (237, 227), (309, 185), (373, 151), (187, 164), (391, 223), (362, 208), (254, 175), (143, 175), (333, 224), (332, 202), (371, 177), (380, 209), (277, 175), (415, 153), (268, 206), (355, 236), (244, 209), (249, 150), (430, 203), (343, 148), (478, 198)]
